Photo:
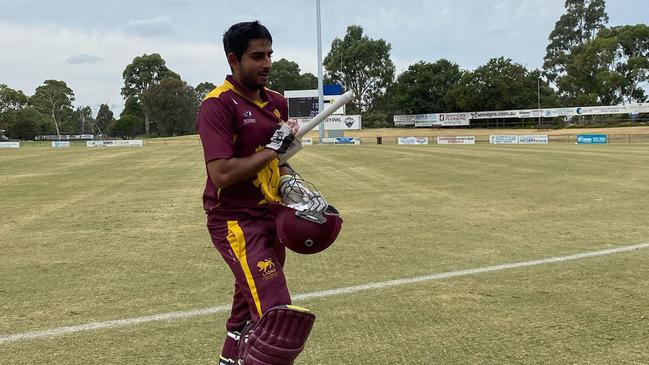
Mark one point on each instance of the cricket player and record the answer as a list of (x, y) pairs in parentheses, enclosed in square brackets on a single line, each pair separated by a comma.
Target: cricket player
[(244, 132)]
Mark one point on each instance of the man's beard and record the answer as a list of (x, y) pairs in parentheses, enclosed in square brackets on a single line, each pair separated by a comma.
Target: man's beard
[(253, 82)]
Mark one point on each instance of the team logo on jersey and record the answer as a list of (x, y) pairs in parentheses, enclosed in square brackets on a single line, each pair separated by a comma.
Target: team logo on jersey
[(247, 117), (267, 268), (265, 265)]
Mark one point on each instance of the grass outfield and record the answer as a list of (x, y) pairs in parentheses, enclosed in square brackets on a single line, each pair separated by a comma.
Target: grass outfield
[(91, 235)]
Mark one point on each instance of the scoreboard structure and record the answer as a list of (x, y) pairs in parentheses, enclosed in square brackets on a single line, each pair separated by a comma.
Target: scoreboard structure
[(304, 103), (303, 107)]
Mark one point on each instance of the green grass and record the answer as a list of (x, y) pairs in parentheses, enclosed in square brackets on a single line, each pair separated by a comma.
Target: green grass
[(99, 234)]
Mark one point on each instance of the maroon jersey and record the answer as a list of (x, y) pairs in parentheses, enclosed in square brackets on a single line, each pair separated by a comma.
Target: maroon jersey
[(231, 123)]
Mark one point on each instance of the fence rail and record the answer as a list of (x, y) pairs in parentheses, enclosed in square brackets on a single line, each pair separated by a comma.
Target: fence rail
[(484, 139), (479, 139)]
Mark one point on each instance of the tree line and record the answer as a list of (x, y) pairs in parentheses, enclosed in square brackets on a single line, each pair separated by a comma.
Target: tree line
[(586, 63)]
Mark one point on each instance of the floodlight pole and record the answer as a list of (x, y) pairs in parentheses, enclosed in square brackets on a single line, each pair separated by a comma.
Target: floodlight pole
[(320, 82), (538, 93)]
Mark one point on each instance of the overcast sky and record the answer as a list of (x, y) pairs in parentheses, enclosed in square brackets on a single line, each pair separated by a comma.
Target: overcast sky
[(88, 43)]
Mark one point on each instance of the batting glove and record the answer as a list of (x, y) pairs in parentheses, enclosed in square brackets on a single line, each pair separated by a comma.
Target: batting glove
[(281, 140), (295, 147), (297, 194)]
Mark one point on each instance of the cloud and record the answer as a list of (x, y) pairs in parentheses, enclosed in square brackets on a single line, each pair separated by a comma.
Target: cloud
[(153, 27), (83, 58), (34, 58)]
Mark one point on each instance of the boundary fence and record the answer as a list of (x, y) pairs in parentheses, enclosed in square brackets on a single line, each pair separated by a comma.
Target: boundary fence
[(484, 139), (374, 140)]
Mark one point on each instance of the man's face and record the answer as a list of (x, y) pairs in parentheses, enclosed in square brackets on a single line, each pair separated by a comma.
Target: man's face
[(254, 67)]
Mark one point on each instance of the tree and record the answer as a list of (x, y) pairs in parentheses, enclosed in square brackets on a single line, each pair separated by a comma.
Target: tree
[(54, 99), (633, 43), (579, 25), (142, 73), (127, 126), (81, 121), (360, 64), (611, 69), (104, 119), (133, 106), (203, 89), (172, 105), (423, 86), (27, 123), (286, 76), (11, 100), (501, 84)]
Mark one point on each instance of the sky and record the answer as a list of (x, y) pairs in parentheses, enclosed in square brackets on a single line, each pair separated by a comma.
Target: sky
[(88, 43)]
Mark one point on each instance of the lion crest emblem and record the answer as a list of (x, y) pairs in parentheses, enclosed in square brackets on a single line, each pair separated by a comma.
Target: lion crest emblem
[(265, 265)]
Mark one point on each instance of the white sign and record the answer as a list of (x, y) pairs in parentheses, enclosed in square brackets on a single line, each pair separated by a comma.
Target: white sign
[(529, 113), (456, 140), (342, 140), (116, 143), (503, 139), (306, 141), (9, 144), (412, 140), (60, 144), (403, 120), (424, 123), (495, 114), (453, 119), (337, 122), (533, 139), (342, 122)]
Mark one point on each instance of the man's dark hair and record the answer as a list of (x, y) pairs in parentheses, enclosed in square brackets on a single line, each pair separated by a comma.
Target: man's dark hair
[(236, 39)]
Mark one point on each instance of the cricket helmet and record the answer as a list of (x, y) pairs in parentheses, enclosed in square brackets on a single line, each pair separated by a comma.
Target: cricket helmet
[(306, 232)]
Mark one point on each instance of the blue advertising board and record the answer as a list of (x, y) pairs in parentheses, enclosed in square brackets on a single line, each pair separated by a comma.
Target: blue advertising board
[(592, 138)]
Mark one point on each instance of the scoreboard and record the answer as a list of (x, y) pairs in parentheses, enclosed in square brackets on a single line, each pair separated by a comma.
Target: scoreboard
[(303, 107)]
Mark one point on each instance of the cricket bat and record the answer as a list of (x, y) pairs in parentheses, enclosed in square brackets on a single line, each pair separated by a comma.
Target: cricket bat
[(340, 101)]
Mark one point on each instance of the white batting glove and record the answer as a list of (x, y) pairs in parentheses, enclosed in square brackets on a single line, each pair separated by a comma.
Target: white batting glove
[(296, 194), (282, 139)]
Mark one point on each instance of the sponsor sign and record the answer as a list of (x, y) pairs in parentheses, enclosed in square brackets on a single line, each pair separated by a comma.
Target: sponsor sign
[(418, 120), (342, 122), (60, 144), (403, 120), (115, 143), (346, 140), (66, 137), (592, 138), (306, 141), (528, 113), (456, 140), (426, 118), (424, 123), (495, 114), (341, 140), (453, 119), (338, 122), (412, 140), (533, 139), (503, 139), (9, 144)]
